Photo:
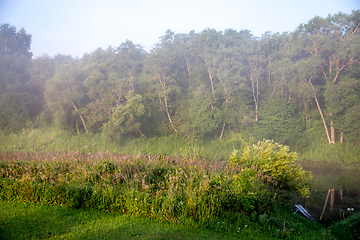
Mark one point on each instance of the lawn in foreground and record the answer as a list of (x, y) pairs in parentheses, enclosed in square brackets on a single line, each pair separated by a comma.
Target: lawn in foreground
[(36, 221)]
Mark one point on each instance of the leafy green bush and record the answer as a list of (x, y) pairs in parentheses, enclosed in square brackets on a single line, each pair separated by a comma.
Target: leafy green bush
[(276, 165)]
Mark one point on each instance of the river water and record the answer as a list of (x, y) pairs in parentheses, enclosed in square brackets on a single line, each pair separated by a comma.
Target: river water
[(344, 192)]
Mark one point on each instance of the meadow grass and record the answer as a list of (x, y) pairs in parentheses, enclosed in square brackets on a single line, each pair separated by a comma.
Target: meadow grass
[(339, 155), (233, 200), (54, 140), (166, 187), (189, 192), (37, 221)]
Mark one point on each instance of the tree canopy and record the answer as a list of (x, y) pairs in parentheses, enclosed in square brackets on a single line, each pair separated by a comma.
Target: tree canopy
[(207, 85)]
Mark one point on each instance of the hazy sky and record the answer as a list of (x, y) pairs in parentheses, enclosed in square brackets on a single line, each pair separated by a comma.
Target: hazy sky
[(76, 27)]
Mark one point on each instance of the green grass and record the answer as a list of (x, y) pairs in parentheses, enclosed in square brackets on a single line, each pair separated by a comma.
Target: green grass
[(345, 155), (34, 221), (54, 140), (339, 155), (347, 229)]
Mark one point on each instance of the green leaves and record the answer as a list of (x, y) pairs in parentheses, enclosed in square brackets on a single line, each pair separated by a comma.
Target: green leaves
[(125, 120), (277, 165)]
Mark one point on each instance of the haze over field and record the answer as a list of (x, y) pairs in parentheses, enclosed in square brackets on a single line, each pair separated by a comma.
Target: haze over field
[(78, 27)]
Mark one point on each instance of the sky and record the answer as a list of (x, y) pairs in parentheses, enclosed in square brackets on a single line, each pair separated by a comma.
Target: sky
[(75, 27)]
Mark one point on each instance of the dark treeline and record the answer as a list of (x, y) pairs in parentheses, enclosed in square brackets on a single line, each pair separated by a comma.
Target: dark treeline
[(296, 88)]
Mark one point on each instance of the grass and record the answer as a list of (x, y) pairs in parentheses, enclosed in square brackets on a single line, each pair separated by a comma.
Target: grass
[(347, 229), (54, 140), (36, 221), (178, 199), (339, 155)]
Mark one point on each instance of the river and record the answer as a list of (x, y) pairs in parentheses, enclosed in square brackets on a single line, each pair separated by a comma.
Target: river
[(344, 192)]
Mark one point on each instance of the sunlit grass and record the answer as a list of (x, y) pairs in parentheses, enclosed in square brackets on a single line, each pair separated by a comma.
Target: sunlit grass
[(29, 221), (36, 221), (54, 140)]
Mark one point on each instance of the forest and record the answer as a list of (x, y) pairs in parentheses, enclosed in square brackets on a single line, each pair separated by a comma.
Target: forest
[(299, 88)]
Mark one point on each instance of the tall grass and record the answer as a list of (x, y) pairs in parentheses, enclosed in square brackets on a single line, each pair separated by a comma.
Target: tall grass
[(345, 154), (169, 188), (54, 140)]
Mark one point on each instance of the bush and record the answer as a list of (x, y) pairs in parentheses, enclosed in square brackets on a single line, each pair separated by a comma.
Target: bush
[(276, 165)]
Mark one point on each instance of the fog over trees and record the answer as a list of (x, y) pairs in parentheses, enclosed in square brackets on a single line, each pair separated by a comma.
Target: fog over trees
[(290, 87)]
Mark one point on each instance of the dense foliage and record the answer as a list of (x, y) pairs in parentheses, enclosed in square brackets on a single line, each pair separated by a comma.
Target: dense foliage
[(276, 164), (299, 88), (162, 187)]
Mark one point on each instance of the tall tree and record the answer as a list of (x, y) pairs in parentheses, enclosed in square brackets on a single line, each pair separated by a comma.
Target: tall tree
[(15, 55), (162, 66), (328, 46), (64, 92)]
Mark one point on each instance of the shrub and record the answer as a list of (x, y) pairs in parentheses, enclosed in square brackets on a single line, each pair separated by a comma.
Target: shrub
[(276, 165)]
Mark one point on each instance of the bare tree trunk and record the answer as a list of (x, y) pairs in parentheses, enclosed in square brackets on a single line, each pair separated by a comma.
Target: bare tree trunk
[(161, 80), (222, 131), (321, 114), (256, 98), (332, 131), (82, 119), (168, 114), (269, 74), (342, 137), (211, 81), (142, 134)]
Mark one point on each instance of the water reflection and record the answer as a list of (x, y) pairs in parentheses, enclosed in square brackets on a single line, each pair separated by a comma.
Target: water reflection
[(339, 189)]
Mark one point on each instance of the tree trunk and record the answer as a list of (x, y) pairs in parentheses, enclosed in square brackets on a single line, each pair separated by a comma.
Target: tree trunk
[(342, 137), (168, 114), (82, 119), (222, 131), (142, 134), (321, 114), (256, 97), (332, 131), (212, 82)]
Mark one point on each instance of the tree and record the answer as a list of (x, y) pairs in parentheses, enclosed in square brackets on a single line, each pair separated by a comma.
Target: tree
[(14, 43), (254, 69), (329, 47), (223, 58), (64, 91), (162, 65), (125, 120), (111, 78), (15, 102), (42, 69)]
